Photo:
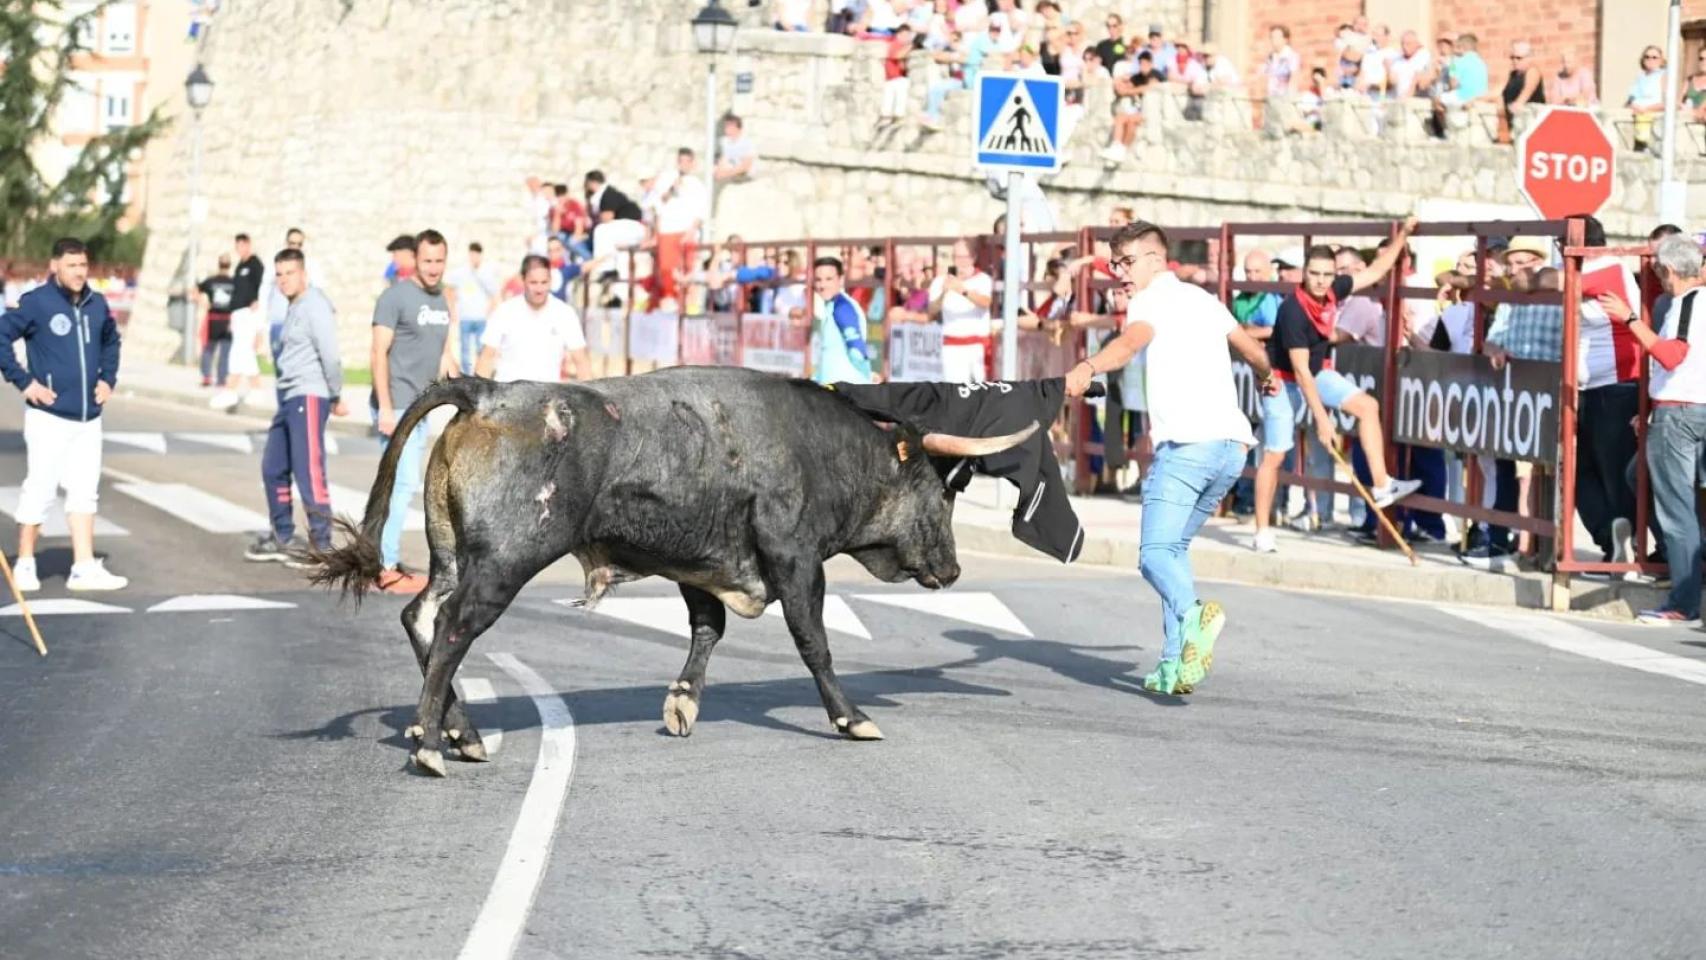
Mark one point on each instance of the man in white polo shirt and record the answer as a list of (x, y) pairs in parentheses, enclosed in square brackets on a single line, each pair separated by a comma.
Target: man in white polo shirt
[(961, 297), (1676, 442), (534, 336), (1200, 432)]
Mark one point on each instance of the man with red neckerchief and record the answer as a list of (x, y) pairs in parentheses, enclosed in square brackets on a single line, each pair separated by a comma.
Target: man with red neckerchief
[(1301, 353)]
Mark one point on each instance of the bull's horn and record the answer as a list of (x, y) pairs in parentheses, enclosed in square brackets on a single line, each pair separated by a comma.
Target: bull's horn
[(948, 445)]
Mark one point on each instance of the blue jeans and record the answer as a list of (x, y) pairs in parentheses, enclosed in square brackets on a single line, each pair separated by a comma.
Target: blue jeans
[(1185, 484), (472, 330), (402, 492), (1676, 451), (937, 93)]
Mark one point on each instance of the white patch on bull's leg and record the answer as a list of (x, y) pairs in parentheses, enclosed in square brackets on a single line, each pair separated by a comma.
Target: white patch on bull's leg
[(555, 428), (543, 498), (426, 614), (430, 761), (680, 711), (864, 730)]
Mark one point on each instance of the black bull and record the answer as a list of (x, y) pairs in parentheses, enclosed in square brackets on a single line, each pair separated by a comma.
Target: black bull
[(737, 485)]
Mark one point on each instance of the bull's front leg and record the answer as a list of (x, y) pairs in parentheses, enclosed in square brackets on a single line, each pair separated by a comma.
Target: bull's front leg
[(802, 607), (474, 606), (708, 617)]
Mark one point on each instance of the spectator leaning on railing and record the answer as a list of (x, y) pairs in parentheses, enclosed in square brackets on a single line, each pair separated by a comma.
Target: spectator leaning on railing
[(1646, 98), (1572, 85), (1694, 93), (1676, 443)]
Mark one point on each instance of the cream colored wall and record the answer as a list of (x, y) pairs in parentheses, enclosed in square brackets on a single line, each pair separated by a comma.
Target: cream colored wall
[(1627, 26)]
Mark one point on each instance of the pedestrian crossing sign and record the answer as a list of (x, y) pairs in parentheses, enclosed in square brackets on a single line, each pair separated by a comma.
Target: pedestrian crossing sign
[(1018, 122)]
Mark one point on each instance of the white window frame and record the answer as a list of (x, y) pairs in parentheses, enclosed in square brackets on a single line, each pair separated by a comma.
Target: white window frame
[(119, 21)]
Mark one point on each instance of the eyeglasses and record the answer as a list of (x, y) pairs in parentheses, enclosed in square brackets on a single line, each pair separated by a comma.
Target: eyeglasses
[(1651, 56)]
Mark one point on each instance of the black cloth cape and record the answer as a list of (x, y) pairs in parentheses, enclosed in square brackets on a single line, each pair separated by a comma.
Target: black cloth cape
[(1044, 519)]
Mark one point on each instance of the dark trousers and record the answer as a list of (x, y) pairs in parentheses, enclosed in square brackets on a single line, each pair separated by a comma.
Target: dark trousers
[(216, 356), (296, 449), (1427, 465), (1605, 443), (1506, 494)]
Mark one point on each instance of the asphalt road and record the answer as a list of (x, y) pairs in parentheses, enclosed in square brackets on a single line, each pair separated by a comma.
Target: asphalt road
[(1359, 777)]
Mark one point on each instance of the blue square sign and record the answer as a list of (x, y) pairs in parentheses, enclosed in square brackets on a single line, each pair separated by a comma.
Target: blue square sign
[(1018, 122)]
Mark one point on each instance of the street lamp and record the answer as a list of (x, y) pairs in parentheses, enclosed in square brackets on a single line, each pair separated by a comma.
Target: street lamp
[(713, 33), (198, 90)]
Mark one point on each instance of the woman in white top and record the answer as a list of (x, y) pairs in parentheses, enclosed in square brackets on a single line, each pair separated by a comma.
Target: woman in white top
[(961, 297)]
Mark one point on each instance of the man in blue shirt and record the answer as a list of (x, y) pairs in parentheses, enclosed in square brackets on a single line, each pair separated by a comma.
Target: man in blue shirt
[(72, 345), (838, 351)]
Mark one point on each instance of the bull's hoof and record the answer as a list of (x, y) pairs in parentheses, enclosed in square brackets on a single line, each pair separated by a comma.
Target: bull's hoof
[(680, 709), (453, 734), (473, 752), (430, 761), (414, 732), (861, 729)]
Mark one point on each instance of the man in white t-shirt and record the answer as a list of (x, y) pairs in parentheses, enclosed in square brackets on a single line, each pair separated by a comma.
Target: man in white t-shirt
[(1200, 433), (961, 298), (535, 336)]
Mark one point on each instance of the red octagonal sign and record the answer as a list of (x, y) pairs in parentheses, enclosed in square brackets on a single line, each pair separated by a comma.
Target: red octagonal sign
[(1567, 164)]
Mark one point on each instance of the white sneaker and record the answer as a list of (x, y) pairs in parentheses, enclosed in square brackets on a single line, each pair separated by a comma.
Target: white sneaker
[(93, 575), (1394, 491), (1265, 542), (1623, 546), (24, 572)]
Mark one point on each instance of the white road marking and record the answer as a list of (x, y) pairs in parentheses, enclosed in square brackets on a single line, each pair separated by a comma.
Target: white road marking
[(197, 507), (837, 615), (982, 609), (54, 525), (155, 442), (350, 502), (668, 614), (239, 442), (504, 915), (203, 602), (1562, 635), (479, 690), (61, 605)]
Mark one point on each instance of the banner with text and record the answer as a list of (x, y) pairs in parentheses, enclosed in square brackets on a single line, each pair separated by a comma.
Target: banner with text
[(654, 337), (915, 351), (1449, 400), (774, 344), (710, 340)]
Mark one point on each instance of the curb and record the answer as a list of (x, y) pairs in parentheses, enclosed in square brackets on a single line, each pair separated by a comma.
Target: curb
[(1431, 583), (348, 427)]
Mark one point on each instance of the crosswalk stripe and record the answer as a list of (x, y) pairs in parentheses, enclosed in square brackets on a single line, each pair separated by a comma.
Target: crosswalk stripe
[(197, 507), (982, 609), (206, 602), (668, 614), (479, 690), (147, 441), (62, 605), (350, 502), (239, 442), (55, 525), (837, 615)]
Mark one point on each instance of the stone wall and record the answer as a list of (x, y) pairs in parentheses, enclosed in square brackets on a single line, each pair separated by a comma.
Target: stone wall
[(357, 121)]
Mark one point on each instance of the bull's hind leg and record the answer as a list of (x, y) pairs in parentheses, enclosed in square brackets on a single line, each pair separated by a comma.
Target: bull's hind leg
[(419, 623), (476, 603), (707, 616), (802, 607)]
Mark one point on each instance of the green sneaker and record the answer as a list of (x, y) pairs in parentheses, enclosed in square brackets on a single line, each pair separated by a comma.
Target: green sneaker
[(1202, 627), (1165, 679)]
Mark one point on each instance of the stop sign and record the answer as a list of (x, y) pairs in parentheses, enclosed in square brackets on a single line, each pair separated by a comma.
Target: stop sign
[(1566, 163)]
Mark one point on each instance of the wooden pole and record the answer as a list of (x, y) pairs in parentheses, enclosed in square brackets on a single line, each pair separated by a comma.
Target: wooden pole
[(35, 634), (1385, 522)]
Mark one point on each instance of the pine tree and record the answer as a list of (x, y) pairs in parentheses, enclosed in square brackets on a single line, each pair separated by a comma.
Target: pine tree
[(37, 47)]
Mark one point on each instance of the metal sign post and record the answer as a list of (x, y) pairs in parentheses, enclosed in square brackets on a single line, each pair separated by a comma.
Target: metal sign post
[(1017, 131)]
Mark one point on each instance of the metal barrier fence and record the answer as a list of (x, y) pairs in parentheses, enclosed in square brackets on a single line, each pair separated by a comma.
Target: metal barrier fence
[(1515, 408)]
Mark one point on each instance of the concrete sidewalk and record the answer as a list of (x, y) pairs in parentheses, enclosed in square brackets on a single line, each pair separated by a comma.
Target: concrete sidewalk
[(1325, 561)]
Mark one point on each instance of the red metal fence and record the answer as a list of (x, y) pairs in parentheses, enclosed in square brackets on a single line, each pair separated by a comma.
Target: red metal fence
[(780, 342)]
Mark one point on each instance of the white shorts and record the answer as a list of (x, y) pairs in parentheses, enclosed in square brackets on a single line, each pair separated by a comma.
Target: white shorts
[(61, 453), (245, 323), (963, 364)]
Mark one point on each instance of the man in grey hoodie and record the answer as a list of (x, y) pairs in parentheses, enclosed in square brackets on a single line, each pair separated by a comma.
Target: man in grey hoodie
[(310, 380)]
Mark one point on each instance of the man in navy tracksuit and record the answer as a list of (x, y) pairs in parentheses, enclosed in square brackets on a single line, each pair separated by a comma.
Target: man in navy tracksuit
[(72, 346), (310, 379)]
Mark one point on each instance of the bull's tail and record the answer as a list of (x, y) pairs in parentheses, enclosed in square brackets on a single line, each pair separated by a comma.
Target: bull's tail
[(354, 567)]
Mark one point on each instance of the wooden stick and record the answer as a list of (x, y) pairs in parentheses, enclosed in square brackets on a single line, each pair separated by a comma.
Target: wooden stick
[(1369, 499), (35, 634)]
